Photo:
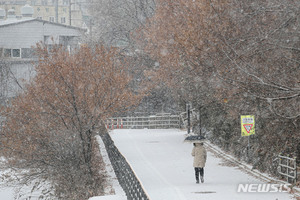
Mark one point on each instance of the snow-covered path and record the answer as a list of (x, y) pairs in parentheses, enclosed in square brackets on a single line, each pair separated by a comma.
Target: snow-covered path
[(163, 163)]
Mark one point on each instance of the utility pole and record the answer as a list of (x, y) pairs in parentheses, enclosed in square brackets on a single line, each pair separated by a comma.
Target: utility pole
[(56, 11), (91, 26), (70, 13)]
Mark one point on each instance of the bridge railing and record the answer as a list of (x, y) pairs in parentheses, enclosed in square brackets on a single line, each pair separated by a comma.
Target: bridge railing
[(288, 168), (159, 121), (125, 175)]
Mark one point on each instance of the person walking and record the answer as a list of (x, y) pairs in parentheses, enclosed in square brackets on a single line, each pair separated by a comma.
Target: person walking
[(200, 154)]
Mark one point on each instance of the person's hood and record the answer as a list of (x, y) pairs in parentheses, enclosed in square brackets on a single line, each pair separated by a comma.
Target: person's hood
[(199, 144)]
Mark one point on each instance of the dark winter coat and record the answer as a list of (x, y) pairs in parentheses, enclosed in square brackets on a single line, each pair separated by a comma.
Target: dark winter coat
[(200, 155)]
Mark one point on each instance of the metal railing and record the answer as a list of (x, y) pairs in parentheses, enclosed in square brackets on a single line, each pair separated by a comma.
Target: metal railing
[(288, 168), (162, 121), (126, 176)]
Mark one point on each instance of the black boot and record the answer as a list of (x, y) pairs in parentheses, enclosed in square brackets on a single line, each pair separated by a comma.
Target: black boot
[(197, 174)]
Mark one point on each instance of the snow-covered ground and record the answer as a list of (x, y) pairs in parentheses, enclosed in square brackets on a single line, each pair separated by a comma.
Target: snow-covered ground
[(14, 191), (7, 193), (114, 191), (163, 163)]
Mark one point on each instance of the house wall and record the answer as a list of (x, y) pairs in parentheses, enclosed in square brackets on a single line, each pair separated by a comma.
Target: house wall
[(27, 34), (20, 74), (13, 77), (24, 35)]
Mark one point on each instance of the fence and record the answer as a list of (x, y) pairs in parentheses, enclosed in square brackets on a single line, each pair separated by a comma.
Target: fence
[(139, 122), (126, 177), (288, 168)]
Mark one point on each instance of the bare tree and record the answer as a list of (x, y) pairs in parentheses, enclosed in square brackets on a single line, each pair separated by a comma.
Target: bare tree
[(115, 20), (49, 131), (232, 58), (264, 54), (3, 82)]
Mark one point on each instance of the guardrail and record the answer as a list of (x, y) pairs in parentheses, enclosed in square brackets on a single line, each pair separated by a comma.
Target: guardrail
[(126, 176), (139, 122), (288, 168)]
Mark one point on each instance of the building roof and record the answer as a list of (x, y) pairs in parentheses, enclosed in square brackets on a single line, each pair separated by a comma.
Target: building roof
[(11, 22)]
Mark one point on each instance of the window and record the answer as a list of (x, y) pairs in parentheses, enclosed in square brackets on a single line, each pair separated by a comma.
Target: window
[(12, 53), (27, 53), (16, 53), (44, 2), (51, 19), (41, 18), (63, 20), (47, 9), (20, 2), (65, 2), (46, 39), (7, 52)]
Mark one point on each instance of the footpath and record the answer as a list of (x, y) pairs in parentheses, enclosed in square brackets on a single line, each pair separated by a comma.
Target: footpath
[(163, 164)]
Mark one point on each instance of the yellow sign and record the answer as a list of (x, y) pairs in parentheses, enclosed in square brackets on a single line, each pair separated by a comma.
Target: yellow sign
[(247, 125)]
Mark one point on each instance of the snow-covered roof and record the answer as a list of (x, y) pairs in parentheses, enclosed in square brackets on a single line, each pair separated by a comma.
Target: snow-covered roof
[(27, 10), (15, 21)]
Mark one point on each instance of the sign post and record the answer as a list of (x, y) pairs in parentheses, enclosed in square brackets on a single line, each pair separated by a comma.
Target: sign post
[(248, 128), (188, 110)]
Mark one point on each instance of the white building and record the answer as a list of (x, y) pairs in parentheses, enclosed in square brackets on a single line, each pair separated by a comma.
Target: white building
[(18, 36), (67, 12)]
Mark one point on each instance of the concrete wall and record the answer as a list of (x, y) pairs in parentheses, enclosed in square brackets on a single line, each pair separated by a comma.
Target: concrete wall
[(16, 75)]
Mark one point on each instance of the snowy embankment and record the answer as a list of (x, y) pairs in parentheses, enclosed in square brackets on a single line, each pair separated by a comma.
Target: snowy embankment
[(7, 193), (163, 163), (14, 191), (114, 191)]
